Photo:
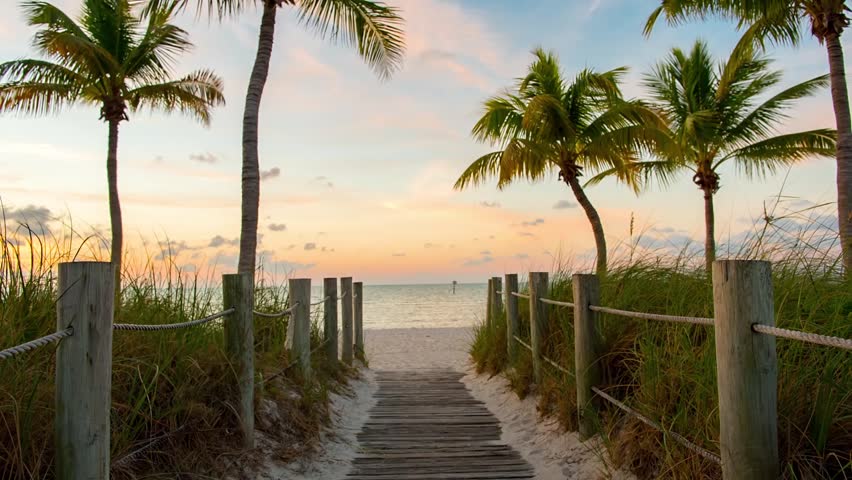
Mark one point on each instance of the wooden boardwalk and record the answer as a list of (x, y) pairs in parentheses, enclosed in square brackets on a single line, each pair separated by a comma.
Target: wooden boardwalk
[(426, 425)]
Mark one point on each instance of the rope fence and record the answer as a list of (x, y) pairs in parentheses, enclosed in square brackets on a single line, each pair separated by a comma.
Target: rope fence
[(556, 302), (320, 302), (558, 367), (814, 338), (171, 326), (653, 316), (656, 426), (33, 344), (525, 344), (277, 314), (520, 295)]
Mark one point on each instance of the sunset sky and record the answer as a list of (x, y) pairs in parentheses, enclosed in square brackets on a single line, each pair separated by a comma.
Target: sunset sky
[(359, 172)]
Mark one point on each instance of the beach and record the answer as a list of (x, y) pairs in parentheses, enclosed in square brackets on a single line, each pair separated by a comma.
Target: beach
[(553, 453)]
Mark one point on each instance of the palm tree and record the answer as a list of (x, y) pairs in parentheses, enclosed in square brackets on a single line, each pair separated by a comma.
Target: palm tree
[(716, 116), (781, 21), (373, 28), (548, 123), (111, 59)]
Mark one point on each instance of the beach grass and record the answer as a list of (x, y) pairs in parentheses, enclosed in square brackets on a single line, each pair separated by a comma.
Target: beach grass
[(667, 371), (173, 392)]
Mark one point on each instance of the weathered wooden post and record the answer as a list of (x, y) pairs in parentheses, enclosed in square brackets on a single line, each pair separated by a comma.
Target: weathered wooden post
[(300, 299), (358, 307), (538, 320), (746, 369), (512, 316), (84, 370), (586, 351), (496, 299), (329, 289), (239, 344), (346, 310), (489, 304)]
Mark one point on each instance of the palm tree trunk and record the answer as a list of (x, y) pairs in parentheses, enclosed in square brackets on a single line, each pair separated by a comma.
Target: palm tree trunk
[(594, 219), (251, 169), (114, 207), (840, 98), (710, 230)]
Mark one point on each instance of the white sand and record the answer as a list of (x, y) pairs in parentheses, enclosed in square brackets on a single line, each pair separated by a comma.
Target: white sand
[(554, 454)]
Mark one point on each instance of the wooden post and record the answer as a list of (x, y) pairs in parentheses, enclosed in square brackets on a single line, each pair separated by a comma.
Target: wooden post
[(586, 351), (84, 370), (346, 310), (359, 319), (538, 320), (746, 369), (329, 289), (496, 299), (300, 297), (489, 304), (512, 317), (239, 344)]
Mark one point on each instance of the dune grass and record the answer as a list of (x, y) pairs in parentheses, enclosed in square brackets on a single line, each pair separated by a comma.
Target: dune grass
[(173, 392), (668, 371)]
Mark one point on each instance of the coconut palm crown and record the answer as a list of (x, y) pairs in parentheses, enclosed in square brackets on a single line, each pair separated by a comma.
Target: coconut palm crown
[(111, 59), (729, 114), (548, 123), (784, 21)]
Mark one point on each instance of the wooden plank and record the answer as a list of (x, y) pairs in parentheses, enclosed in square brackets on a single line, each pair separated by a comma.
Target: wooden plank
[(329, 290), (426, 425), (346, 352), (586, 351), (538, 320), (239, 343)]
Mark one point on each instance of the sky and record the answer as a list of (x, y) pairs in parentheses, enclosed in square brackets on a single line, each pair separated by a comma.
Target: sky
[(357, 173)]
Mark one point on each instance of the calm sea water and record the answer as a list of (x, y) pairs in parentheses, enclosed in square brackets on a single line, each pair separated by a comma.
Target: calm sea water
[(420, 306)]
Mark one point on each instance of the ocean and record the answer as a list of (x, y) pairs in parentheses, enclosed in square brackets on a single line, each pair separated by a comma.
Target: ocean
[(420, 306)]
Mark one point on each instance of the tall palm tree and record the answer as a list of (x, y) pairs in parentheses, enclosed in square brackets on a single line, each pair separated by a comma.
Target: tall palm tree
[(373, 28), (718, 115), (781, 21), (110, 59), (550, 123)]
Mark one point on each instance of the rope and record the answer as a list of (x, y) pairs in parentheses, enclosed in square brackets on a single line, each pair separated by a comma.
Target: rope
[(499, 292), (557, 366), (653, 316), (171, 326), (557, 303), (522, 343), (321, 301), (520, 295), (288, 367), (647, 421), (804, 336), (33, 344), (278, 314)]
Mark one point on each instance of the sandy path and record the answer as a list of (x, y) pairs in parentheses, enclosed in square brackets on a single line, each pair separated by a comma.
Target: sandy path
[(554, 454)]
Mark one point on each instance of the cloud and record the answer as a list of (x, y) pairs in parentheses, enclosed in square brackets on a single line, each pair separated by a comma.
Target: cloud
[(563, 204), (273, 172), (310, 246), (291, 246), (533, 223), (490, 204), (322, 179), (219, 241), (207, 158), (171, 249), (277, 227), (526, 234), (397, 254), (521, 256), (479, 261), (31, 215), (485, 252), (431, 245)]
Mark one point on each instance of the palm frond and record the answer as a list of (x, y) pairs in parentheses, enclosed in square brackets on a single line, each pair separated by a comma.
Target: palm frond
[(41, 98), (545, 118), (480, 170), (39, 71), (374, 28), (501, 120), (195, 94), (767, 156)]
